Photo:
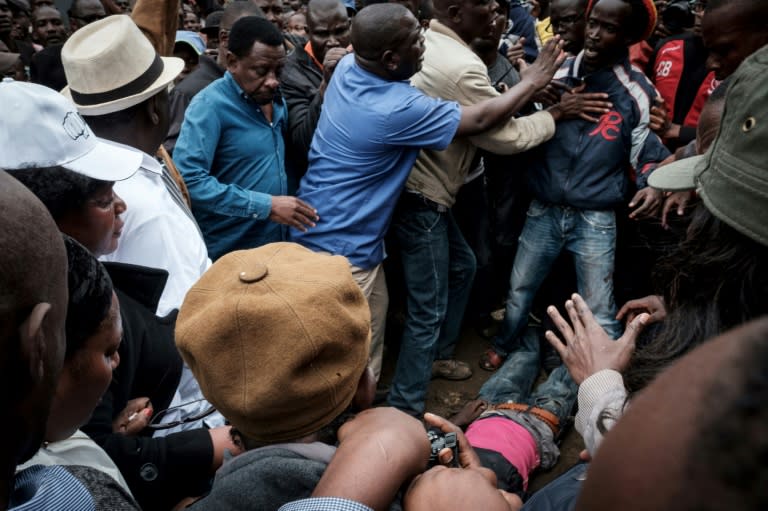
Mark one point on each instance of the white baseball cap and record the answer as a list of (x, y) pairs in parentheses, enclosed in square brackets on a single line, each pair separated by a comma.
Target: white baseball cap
[(41, 128)]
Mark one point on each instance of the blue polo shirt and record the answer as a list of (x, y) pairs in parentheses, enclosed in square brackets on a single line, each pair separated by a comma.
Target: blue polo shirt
[(367, 139), (233, 161)]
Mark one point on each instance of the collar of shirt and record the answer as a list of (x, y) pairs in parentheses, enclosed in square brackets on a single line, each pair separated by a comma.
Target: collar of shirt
[(311, 53), (230, 80), (278, 102), (439, 28), (575, 65), (150, 164)]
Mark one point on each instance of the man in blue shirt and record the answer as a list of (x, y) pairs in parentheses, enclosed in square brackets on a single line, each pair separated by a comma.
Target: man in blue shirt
[(231, 151), (370, 131)]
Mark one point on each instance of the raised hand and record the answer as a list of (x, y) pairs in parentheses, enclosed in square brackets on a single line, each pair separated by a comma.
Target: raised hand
[(550, 59), (588, 348)]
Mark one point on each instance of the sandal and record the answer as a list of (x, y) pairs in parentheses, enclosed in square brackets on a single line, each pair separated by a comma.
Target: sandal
[(490, 361)]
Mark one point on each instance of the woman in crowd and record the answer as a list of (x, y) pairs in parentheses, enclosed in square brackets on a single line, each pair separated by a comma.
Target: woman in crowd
[(159, 471)]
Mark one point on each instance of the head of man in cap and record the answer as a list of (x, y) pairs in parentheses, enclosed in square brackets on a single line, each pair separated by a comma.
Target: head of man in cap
[(119, 83), (188, 47), (211, 31), (278, 338)]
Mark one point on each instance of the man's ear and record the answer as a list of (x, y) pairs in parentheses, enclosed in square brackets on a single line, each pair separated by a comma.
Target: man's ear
[(366, 391), (454, 13), (152, 110), (231, 60), (32, 342), (390, 60)]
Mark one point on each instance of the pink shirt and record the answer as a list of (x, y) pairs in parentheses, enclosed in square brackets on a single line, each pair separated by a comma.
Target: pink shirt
[(509, 439)]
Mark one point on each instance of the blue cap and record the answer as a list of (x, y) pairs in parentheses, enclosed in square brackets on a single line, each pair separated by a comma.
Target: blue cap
[(191, 38)]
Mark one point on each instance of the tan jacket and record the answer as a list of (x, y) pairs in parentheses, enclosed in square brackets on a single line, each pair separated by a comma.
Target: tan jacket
[(452, 71)]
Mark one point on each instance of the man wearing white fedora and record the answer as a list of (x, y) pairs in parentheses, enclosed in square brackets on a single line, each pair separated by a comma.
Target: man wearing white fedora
[(119, 84)]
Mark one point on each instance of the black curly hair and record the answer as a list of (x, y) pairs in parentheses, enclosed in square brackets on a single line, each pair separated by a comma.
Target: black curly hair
[(62, 191)]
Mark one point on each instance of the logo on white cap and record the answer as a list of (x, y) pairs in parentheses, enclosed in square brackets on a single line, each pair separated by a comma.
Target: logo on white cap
[(75, 126)]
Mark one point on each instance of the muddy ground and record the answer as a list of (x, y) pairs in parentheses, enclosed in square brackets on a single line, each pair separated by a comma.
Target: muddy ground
[(447, 397)]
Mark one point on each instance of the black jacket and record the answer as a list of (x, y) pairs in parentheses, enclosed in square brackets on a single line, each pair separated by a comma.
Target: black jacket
[(299, 83), (46, 68), (181, 96), (159, 471)]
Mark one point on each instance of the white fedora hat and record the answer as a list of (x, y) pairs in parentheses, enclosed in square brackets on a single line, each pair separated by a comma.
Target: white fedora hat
[(40, 128), (110, 66)]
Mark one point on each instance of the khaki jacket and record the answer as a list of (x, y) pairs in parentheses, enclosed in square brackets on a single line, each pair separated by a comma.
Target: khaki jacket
[(452, 71)]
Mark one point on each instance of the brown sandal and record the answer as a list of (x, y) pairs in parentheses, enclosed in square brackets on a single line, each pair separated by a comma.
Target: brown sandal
[(490, 361)]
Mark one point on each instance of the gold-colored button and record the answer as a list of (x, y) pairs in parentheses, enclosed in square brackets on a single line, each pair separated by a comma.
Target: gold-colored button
[(253, 274)]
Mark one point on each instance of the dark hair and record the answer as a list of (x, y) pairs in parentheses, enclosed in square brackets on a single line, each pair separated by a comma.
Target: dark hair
[(90, 295), (62, 191), (754, 14), (235, 10), (716, 279), (729, 447), (249, 30)]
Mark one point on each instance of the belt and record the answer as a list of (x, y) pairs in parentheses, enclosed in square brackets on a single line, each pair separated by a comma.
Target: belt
[(418, 199)]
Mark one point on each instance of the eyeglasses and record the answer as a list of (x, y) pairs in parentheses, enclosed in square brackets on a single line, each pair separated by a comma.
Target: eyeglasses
[(155, 422)]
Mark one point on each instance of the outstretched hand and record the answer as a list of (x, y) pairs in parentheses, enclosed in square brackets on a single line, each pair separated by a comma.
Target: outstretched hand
[(588, 348), (550, 59), (677, 202), (653, 305), (293, 212), (646, 203)]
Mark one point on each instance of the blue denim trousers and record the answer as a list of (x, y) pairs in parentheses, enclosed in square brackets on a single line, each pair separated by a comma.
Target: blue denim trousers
[(513, 381), (561, 493), (590, 237), (439, 268)]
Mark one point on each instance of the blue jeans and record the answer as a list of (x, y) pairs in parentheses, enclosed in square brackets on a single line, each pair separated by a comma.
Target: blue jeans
[(561, 493), (439, 268), (513, 381), (590, 236)]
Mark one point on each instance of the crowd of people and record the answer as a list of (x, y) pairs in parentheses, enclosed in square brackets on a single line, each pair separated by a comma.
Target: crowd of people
[(213, 210)]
